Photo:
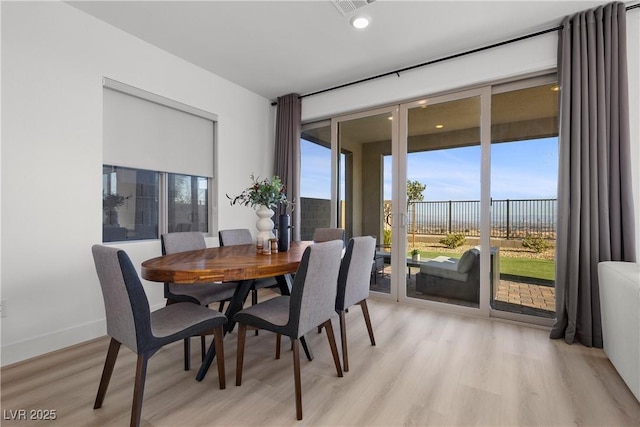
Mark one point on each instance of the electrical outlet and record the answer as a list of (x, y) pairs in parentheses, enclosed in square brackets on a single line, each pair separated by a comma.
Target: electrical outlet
[(3, 308)]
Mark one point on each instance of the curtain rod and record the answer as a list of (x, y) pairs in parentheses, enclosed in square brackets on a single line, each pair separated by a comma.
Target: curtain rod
[(446, 58)]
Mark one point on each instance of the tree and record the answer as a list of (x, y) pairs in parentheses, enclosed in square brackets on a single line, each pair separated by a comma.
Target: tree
[(414, 194)]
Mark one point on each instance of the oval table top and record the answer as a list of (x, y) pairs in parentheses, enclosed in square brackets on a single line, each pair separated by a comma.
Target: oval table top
[(223, 264)]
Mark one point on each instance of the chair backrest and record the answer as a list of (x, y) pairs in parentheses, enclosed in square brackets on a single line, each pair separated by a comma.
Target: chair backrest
[(173, 243), (313, 293), (125, 303), (236, 236), (355, 272), (183, 241), (327, 234)]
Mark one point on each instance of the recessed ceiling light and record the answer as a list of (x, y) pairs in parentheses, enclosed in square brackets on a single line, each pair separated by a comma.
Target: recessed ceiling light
[(360, 22), (439, 126)]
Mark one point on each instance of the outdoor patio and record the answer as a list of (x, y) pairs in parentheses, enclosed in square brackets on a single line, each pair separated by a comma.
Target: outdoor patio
[(511, 296)]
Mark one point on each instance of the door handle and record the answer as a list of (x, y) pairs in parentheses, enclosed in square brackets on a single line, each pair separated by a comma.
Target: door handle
[(392, 222), (404, 220)]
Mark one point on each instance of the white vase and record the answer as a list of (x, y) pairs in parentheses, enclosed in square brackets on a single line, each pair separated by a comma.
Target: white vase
[(264, 224)]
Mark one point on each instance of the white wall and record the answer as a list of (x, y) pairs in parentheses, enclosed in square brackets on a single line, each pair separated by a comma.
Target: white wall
[(53, 60), (517, 59), (532, 55)]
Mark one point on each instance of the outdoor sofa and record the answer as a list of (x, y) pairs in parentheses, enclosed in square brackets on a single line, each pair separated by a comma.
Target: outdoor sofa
[(451, 278)]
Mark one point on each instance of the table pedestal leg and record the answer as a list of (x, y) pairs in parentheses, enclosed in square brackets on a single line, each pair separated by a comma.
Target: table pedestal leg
[(284, 283), (306, 348), (235, 305)]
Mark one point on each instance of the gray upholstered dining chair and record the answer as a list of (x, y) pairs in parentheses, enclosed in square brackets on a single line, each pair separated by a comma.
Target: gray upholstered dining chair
[(242, 236), (197, 293), (235, 236), (326, 234), (312, 303), (130, 322), (353, 286)]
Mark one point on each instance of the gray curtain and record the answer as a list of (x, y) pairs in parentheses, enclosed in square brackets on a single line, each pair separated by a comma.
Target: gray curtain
[(287, 154), (595, 202)]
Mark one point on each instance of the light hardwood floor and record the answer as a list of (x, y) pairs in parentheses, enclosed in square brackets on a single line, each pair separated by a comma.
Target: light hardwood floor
[(428, 368)]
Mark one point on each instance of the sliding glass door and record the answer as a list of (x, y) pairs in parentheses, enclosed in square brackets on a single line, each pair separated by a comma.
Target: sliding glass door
[(411, 176), (365, 187), (315, 204), (442, 161), (524, 171), (459, 192)]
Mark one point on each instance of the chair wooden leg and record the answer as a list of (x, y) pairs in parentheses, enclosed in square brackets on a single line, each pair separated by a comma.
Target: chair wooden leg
[(138, 389), (343, 339), (278, 340), (367, 320), (218, 334), (332, 343), (296, 378), (242, 334), (187, 354), (109, 363)]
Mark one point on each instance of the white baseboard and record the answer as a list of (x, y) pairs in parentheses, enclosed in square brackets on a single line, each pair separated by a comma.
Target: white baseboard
[(33, 347), (37, 346)]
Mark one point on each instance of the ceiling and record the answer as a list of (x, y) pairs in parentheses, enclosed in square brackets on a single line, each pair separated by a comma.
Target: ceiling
[(278, 47), (528, 113)]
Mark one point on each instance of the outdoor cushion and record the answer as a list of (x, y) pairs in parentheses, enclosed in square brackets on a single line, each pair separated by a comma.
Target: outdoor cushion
[(467, 259), (444, 267)]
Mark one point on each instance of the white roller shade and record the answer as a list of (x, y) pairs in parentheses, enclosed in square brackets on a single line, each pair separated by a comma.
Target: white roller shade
[(143, 134)]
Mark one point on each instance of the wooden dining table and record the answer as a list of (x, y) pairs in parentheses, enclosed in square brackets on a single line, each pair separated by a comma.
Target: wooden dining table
[(238, 263)]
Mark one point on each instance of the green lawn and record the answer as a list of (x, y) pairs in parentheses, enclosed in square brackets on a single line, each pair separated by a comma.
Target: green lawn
[(538, 268), (526, 267)]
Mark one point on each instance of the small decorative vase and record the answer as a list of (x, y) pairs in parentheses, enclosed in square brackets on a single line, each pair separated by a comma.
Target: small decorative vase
[(264, 224), (415, 258)]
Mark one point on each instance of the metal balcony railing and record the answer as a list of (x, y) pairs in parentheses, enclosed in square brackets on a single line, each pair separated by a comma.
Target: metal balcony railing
[(510, 218)]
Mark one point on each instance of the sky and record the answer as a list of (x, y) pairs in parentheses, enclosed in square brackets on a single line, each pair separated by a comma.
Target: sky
[(519, 170)]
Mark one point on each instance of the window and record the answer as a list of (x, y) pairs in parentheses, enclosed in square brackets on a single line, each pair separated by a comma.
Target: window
[(158, 165), (132, 209), (188, 203), (129, 204)]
